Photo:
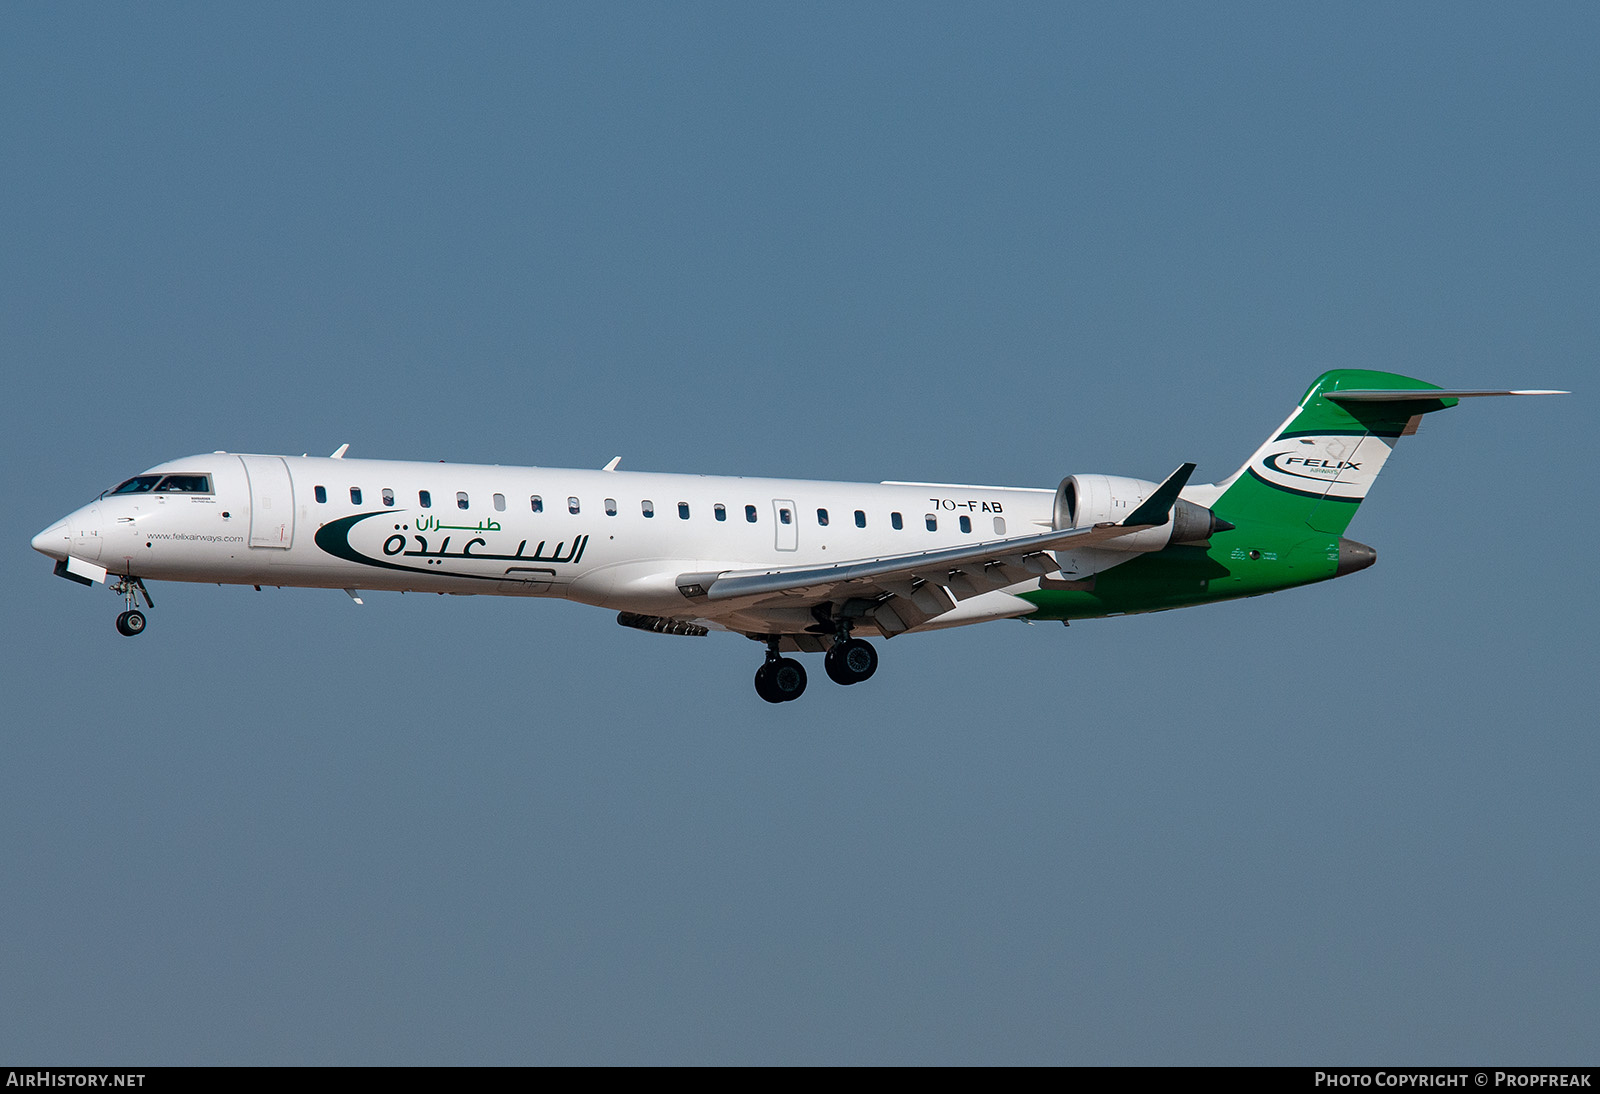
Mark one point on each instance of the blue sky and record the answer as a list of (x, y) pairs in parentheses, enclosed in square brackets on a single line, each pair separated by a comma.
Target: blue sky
[(1350, 823)]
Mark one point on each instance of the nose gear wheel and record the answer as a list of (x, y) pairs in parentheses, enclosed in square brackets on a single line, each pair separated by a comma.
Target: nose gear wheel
[(131, 622)]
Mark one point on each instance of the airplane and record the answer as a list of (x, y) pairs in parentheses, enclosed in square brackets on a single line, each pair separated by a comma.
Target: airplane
[(799, 566)]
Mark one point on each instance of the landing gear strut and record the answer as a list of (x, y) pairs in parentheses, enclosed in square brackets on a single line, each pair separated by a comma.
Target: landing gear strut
[(780, 679), (131, 622)]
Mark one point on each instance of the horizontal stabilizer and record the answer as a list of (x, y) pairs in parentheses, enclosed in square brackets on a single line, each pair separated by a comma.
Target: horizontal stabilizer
[(1407, 395), (1317, 467)]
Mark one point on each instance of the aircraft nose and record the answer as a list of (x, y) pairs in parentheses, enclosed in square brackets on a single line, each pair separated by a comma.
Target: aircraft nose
[(53, 541)]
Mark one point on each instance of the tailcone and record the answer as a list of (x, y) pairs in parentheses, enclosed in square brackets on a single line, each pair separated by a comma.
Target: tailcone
[(1353, 556)]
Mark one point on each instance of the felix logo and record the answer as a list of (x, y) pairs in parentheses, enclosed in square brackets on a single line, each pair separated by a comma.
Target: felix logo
[(1328, 466), (1331, 465)]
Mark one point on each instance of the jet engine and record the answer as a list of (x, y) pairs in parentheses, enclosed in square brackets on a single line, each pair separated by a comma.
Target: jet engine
[(1084, 501)]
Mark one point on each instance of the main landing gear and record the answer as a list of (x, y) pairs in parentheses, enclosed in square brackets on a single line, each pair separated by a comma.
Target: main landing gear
[(848, 661), (131, 622), (780, 679)]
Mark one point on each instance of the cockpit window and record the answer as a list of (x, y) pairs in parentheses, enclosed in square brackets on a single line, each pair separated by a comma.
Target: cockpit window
[(166, 484), (185, 484)]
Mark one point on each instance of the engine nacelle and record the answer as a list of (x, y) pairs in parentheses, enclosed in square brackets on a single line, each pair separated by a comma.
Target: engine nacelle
[(1083, 501)]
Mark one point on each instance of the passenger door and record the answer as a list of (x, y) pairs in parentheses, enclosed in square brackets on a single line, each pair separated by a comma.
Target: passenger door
[(271, 501), (787, 523)]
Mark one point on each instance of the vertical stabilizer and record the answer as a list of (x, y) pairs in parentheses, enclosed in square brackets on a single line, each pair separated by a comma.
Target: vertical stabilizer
[(1318, 466)]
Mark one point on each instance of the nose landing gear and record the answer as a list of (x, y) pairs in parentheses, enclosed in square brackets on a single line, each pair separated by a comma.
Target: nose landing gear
[(131, 622)]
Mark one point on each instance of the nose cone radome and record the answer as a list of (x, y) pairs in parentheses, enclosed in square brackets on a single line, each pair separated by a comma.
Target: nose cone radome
[(53, 540), (1353, 556)]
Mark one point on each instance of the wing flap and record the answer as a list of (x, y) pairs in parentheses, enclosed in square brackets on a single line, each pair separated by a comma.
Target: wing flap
[(884, 573)]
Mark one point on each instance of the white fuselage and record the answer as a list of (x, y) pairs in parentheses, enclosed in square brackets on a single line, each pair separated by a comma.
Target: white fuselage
[(798, 565), (615, 539)]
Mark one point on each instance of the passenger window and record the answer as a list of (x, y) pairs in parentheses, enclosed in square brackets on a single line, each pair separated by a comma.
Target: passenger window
[(750, 513), (355, 495), (999, 526), (648, 507), (461, 499), (785, 517), (499, 503), (966, 524), (425, 499), (611, 507), (683, 510), (861, 518), (895, 522), (822, 517), (536, 503), (572, 506), (721, 511), (322, 495), (388, 496), (933, 523)]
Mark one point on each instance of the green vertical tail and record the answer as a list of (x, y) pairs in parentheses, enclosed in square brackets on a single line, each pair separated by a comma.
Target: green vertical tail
[(1318, 466)]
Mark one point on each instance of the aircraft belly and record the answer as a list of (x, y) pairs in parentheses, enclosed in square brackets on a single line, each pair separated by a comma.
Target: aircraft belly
[(1083, 563), (647, 588)]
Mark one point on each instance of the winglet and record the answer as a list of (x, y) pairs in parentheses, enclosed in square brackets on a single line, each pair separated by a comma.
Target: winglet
[(338, 453), (612, 466), (1157, 508)]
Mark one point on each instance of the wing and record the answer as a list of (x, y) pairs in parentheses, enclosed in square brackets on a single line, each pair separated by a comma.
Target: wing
[(898, 592)]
